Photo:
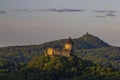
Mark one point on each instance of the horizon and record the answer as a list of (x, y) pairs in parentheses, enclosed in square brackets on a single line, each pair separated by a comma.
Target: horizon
[(61, 39), (28, 22)]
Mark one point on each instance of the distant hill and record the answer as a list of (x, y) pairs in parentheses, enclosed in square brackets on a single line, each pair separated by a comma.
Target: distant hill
[(88, 48), (88, 42)]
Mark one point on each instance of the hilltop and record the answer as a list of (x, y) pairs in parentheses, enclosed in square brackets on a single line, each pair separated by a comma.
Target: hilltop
[(87, 41)]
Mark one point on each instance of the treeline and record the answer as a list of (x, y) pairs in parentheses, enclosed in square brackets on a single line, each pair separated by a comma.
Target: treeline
[(107, 56), (58, 67)]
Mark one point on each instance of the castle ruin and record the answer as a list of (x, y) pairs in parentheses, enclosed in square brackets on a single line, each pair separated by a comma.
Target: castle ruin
[(67, 51)]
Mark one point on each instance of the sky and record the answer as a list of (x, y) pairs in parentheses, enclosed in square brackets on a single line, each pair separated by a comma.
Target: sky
[(30, 22)]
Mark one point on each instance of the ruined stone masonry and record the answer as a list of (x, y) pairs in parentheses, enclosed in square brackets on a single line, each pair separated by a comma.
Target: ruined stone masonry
[(67, 51)]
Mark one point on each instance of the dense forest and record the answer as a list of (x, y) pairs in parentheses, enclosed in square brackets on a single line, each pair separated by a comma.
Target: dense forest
[(59, 68), (94, 60)]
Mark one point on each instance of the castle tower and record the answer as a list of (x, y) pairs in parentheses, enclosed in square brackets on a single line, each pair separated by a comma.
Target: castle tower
[(50, 51), (67, 51), (69, 44)]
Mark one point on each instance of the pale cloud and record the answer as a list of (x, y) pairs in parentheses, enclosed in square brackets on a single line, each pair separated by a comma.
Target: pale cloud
[(105, 11), (63, 10), (48, 10), (100, 16), (3, 12), (22, 10), (111, 14)]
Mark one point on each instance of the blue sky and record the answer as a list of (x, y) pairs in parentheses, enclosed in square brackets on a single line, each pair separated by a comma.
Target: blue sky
[(24, 22)]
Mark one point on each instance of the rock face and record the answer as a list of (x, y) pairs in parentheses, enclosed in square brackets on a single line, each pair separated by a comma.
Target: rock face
[(66, 51)]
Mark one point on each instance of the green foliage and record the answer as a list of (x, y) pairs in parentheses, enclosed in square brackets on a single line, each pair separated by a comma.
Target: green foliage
[(91, 76), (23, 54), (26, 53), (54, 68), (67, 66), (27, 62), (48, 68), (107, 56)]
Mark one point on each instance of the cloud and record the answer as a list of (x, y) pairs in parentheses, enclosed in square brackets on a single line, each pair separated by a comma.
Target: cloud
[(106, 15), (98, 13), (3, 12), (111, 14), (100, 16), (49, 10), (105, 11), (22, 10), (63, 10)]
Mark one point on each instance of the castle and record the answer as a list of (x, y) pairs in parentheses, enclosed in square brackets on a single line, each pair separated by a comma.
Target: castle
[(67, 51)]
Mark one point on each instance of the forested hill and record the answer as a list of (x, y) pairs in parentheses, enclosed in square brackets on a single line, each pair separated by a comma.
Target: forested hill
[(25, 53), (88, 47), (87, 41)]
